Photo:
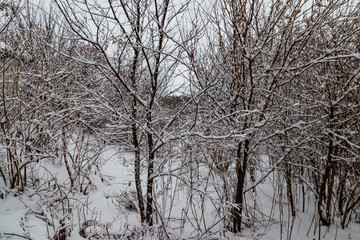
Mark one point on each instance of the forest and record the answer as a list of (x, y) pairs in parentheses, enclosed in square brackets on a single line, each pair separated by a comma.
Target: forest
[(180, 119)]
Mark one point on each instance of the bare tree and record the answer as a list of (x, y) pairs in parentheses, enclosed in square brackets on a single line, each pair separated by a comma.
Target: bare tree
[(139, 51), (258, 54)]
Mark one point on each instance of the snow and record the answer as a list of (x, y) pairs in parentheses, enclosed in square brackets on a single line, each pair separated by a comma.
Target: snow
[(11, 212), (183, 210)]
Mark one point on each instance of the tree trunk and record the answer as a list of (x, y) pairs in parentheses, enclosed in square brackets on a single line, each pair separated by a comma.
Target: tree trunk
[(289, 190), (325, 220), (150, 177), (241, 166)]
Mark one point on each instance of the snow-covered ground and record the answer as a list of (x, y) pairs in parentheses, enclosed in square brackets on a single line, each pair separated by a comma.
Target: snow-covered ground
[(108, 211)]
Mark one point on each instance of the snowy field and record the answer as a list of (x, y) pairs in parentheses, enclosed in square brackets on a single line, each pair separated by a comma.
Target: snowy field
[(108, 211)]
